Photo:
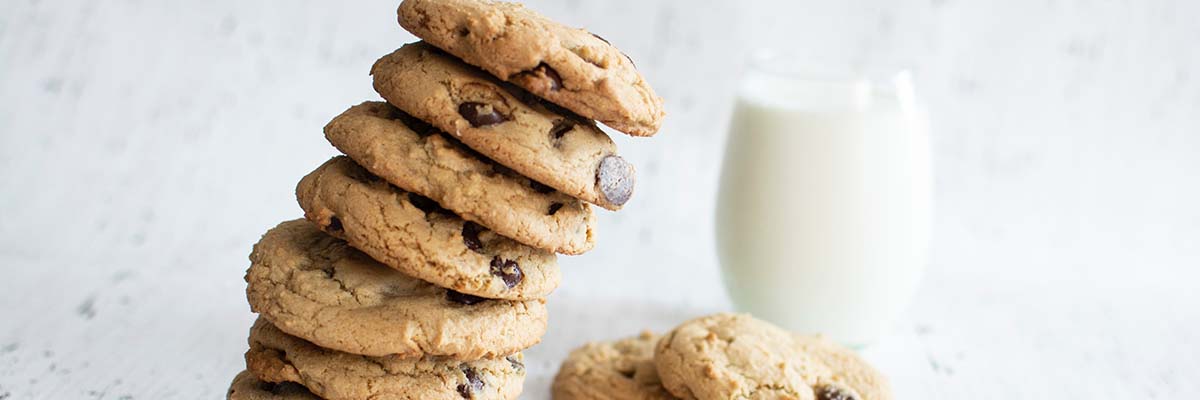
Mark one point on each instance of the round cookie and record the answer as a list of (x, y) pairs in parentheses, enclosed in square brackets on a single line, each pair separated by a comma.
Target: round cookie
[(277, 357), (618, 370), (317, 287), (727, 356), (534, 138), (246, 386), (850, 377), (415, 236), (570, 67)]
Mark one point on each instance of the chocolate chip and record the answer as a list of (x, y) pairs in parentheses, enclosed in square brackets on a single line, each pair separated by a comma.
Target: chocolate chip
[(601, 39), (464, 31), (473, 384), (425, 204), (470, 234), (615, 178), (508, 271), (549, 74), (539, 187), (463, 298), (554, 208), (335, 224), (561, 127), (517, 365), (830, 392), (479, 114)]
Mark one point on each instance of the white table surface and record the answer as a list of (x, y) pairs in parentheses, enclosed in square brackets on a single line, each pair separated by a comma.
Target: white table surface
[(145, 145)]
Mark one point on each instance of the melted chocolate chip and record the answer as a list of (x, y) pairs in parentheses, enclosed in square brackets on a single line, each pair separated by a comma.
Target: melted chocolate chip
[(561, 127), (479, 114), (830, 392), (473, 384), (463, 298), (539, 187), (554, 81), (335, 224), (517, 365), (426, 204), (470, 234), (508, 271), (615, 179), (554, 208)]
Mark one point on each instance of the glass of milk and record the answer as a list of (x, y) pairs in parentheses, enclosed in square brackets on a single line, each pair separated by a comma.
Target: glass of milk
[(823, 211)]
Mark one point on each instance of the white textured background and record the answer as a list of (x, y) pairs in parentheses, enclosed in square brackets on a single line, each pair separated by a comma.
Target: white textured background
[(145, 145)]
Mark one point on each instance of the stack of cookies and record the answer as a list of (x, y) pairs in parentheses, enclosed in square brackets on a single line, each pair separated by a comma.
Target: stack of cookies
[(422, 266), (722, 356)]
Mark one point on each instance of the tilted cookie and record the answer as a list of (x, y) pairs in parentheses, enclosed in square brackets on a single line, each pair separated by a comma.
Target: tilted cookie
[(532, 137), (727, 356), (417, 237), (851, 377), (246, 386), (570, 67), (275, 356), (415, 157), (317, 287), (617, 370)]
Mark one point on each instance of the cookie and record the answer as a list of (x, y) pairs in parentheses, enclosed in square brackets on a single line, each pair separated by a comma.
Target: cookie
[(317, 287), (728, 356), (618, 370), (415, 157), (534, 138), (415, 236), (570, 67), (275, 356), (850, 377), (246, 386)]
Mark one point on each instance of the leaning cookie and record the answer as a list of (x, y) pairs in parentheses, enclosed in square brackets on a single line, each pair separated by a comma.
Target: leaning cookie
[(618, 370), (246, 386), (275, 356), (414, 235), (570, 67), (317, 287), (540, 141), (727, 356), (850, 377), (417, 158)]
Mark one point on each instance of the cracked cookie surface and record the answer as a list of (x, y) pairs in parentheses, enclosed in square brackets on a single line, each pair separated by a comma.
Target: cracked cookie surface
[(275, 356), (317, 287), (615, 370), (734, 356), (246, 386), (414, 235), (568, 66), (416, 157), (538, 140)]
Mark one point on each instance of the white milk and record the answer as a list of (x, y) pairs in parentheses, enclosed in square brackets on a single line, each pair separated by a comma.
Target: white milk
[(824, 210)]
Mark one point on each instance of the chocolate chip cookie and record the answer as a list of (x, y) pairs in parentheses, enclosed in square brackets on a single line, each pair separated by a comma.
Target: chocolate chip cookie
[(850, 377), (275, 356), (317, 287), (415, 157), (727, 356), (246, 386), (618, 370), (570, 67), (538, 140), (414, 235)]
